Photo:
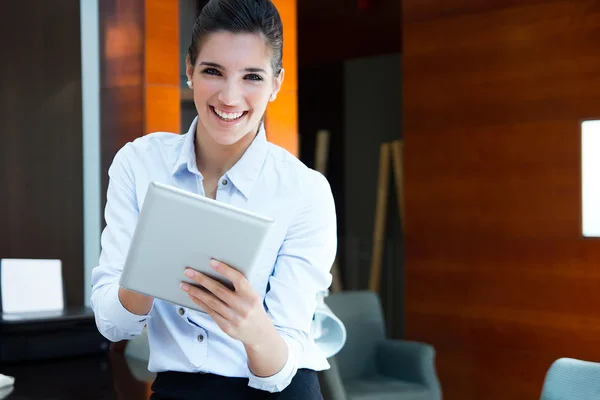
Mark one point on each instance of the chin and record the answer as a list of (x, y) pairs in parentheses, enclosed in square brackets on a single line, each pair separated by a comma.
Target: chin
[(226, 140), (227, 133), (227, 137)]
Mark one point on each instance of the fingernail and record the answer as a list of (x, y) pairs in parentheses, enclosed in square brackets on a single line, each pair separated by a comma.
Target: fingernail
[(214, 263), (185, 286), (189, 272)]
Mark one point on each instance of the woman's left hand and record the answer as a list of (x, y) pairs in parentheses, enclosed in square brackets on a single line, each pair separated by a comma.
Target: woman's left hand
[(240, 313)]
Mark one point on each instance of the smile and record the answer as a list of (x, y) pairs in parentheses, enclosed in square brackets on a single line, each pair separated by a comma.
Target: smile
[(229, 117)]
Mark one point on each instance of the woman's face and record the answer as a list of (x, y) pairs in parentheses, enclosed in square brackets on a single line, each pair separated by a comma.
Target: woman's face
[(233, 81)]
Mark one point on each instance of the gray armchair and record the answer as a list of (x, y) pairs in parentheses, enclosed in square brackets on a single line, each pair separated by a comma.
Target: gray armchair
[(371, 366), (570, 379)]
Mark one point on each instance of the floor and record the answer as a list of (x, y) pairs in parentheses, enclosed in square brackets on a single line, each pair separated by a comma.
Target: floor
[(105, 377)]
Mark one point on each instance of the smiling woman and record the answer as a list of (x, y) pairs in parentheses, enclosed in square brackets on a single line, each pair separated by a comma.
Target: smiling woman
[(253, 342), (232, 88)]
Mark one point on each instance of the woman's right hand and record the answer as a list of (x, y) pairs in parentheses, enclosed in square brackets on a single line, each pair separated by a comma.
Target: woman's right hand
[(135, 303)]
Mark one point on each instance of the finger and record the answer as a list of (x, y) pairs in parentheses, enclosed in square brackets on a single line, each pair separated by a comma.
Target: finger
[(209, 300), (193, 275), (216, 288), (240, 283), (212, 313), (221, 321)]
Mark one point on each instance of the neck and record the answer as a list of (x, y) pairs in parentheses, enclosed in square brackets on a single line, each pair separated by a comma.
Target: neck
[(214, 159)]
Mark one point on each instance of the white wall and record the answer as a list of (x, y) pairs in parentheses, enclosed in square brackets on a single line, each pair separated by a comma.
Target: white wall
[(90, 79)]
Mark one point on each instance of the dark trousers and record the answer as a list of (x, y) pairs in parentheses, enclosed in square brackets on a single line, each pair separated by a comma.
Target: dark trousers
[(189, 386)]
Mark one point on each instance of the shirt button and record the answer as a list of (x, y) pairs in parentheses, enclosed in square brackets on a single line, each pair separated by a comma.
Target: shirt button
[(224, 182), (181, 311), (200, 338)]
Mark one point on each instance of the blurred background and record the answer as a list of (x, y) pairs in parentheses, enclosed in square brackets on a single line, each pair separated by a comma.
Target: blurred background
[(450, 132)]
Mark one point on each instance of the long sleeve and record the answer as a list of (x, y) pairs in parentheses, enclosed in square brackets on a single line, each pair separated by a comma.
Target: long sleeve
[(302, 270), (114, 321)]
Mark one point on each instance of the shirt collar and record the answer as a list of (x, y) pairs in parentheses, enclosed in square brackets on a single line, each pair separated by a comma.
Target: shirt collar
[(243, 174), (187, 155)]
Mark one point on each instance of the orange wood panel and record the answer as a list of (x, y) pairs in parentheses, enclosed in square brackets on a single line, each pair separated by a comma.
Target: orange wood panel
[(161, 66), (162, 108), (162, 42), (282, 115), (288, 13), (282, 121), (498, 276)]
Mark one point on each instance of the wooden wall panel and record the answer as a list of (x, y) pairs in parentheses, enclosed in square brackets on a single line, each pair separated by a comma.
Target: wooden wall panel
[(282, 115), (41, 179), (498, 276), (161, 63), (139, 84), (121, 28), (282, 121), (338, 30)]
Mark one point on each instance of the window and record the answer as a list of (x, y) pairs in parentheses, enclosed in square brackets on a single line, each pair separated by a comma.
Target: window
[(590, 174)]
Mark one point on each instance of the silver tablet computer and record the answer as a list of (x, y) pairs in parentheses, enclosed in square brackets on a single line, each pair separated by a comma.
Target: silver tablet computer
[(178, 229)]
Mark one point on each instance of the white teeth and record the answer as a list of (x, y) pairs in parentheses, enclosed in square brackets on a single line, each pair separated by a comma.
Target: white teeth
[(228, 116)]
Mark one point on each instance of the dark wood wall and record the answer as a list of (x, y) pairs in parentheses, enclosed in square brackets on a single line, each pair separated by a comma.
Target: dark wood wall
[(498, 276), (41, 186), (121, 30), (139, 74), (337, 30)]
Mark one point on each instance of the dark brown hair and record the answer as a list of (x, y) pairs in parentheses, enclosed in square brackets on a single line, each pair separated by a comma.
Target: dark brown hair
[(240, 16)]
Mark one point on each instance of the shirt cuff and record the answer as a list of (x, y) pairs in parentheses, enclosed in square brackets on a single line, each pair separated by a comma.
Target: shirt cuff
[(122, 317), (280, 380)]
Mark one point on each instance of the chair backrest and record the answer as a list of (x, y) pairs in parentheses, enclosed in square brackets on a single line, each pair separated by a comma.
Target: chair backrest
[(361, 313), (570, 379)]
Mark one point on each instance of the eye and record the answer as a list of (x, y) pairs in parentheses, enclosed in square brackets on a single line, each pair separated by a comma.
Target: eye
[(211, 71), (253, 77)]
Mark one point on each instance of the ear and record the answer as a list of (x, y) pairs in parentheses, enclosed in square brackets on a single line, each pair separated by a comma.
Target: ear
[(278, 81), (189, 68)]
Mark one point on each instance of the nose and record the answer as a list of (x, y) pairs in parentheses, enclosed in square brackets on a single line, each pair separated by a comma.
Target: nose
[(230, 93)]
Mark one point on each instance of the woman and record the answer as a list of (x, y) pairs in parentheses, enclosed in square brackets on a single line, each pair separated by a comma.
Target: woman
[(253, 342)]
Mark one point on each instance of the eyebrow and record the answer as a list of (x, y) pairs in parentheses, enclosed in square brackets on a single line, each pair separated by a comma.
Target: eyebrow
[(219, 66)]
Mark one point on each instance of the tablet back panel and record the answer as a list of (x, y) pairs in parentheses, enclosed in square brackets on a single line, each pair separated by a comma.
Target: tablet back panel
[(178, 229)]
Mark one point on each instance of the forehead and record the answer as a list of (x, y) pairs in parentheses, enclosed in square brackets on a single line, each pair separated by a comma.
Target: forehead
[(235, 51)]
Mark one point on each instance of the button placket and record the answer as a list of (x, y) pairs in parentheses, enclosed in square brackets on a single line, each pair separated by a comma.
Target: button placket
[(200, 347), (199, 344), (199, 337), (224, 190)]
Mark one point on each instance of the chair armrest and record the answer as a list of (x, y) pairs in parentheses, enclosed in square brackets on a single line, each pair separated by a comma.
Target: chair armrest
[(408, 361)]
